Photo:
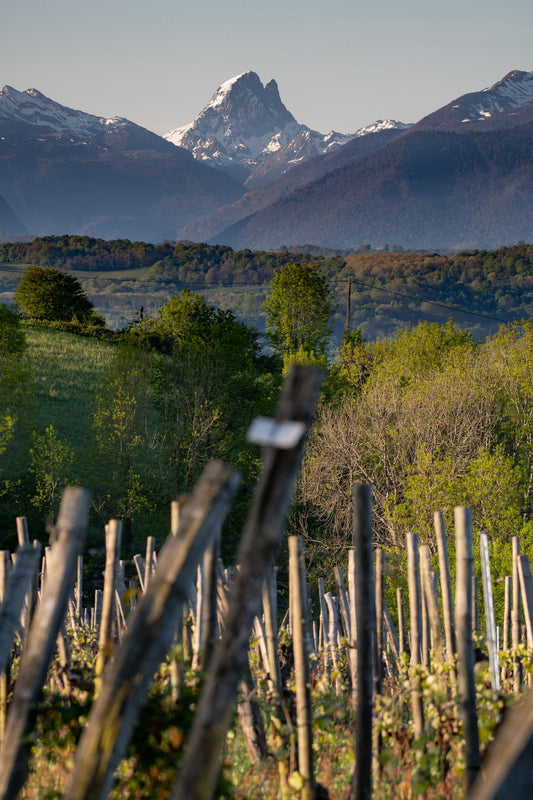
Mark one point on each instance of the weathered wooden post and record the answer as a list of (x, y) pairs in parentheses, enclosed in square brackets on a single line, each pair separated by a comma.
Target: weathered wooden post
[(78, 591), (70, 531), (353, 624), (304, 717), (445, 588), (12, 598), (465, 648), (428, 587), (526, 588), (148, 560), (113, 535), (5, 564), (365, 604), (270, 615), (488, 596), (415, 604), (401, 620), (506, 644), (380, 600), (284, 438), (516, 617)]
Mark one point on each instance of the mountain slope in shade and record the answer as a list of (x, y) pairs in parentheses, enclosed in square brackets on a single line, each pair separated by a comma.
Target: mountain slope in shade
[(426, 189), (311, 170), (8, 220), (506, 104), (65, 171), (244, 124)]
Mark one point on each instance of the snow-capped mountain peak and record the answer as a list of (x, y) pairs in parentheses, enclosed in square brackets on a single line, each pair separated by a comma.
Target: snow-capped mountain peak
[(505, 104), (245, 124), (34, 108), (383, 125)]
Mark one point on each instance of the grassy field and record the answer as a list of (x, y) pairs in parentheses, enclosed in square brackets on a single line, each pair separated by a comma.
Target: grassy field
[(67, 371)]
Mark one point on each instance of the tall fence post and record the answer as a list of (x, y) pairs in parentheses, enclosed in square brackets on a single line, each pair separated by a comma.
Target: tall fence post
[(415, 605), (365, 604), (304, 720), (465, 647), (488, 596)]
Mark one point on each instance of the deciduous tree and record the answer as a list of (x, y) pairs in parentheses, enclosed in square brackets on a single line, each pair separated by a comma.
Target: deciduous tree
[(298, 310), (46, 293)]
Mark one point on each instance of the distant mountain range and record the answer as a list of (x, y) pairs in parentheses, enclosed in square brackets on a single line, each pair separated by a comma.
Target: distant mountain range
[(64, 171), (247, 174)]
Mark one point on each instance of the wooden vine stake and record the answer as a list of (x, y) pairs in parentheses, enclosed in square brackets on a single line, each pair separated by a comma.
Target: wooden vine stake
[(69, 536), (465, 647), (284, 439), (113, 535), (304, 717), (415, 619), (488, 596), (516, 614), (446, 589), (365, 604)]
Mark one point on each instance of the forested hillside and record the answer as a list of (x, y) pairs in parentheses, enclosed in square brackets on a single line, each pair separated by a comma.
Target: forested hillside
[(480, 289)]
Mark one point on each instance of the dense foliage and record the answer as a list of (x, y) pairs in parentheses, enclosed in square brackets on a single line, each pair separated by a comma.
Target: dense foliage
[(299, 309), (47, 293), (183, 261)]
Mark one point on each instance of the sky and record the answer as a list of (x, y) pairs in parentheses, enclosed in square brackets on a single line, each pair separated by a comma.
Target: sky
[(339, 64)]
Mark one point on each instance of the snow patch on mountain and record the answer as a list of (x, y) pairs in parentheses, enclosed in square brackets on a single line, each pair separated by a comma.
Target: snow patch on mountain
[(245, 124), (34, 108), (383, 125)]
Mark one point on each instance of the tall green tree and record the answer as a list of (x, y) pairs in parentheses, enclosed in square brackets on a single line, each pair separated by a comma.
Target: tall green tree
[(299, 311), (46, 293), (211, 379)]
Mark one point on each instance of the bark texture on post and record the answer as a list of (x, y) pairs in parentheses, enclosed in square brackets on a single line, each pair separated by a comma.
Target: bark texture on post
[(113, 535), (488, 596), (70, 532), (12, 598), (465, 646), (366, 631), (259, 545), (516, 616), (431, 601), (415, 620), (445, 586), (304, 717)]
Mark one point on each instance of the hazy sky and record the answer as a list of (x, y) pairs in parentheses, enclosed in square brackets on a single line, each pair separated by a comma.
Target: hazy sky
[(339, 65)]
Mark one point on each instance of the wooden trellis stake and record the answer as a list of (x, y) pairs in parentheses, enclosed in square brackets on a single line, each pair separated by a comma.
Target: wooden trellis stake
[(428, 587), (488, 596), (465, 648), (365, 602), (415, 620), (113, 535), (304, 717), (445, 588)]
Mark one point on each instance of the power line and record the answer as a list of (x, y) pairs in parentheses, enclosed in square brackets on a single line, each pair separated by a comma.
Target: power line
[(259, 284)]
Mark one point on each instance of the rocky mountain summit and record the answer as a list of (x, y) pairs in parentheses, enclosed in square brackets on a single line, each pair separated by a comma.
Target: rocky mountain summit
[(506, 104), (246, 130)]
